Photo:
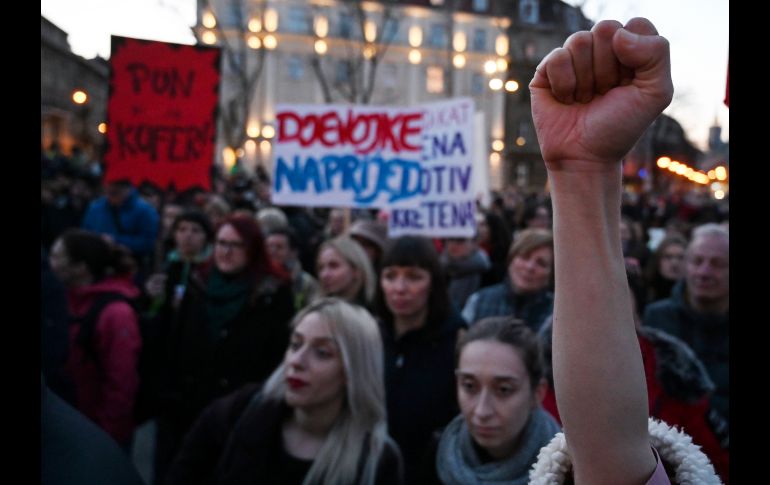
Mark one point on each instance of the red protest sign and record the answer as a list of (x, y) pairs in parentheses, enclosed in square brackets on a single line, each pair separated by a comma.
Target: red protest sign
[(161, 113)]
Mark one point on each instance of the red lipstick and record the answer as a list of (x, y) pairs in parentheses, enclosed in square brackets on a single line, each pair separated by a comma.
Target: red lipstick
[(295, 383)]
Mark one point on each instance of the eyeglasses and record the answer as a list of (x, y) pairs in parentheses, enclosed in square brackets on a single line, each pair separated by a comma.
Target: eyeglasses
[(224, 244)]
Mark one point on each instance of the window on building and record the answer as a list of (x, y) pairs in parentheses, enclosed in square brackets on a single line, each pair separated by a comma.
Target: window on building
[(479, 40), (478, 83), (480, 5), (438, 36), (342, 72), (434, 80), (233, 14), (390, 32), (529, 12), (346, 26), (389, 73), (573, 21), (296, 67), (298, 20), (525, 130), (530, 50)]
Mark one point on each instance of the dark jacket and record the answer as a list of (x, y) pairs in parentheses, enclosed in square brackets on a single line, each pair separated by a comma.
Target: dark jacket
[(420, 385), (237, 440), (707, 335), (74, 451), (139, 223), (201, 367), (500, 300), (464, 275)]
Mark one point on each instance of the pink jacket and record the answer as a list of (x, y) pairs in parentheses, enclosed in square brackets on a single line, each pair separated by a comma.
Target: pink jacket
[(105, 390)]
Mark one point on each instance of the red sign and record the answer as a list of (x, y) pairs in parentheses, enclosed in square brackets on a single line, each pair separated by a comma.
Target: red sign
[(161, 114)]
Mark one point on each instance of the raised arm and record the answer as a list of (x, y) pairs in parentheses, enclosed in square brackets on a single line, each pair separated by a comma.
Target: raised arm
[(591, 100)]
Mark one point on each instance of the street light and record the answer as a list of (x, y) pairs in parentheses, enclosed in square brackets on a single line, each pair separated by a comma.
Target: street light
[(79, 97)]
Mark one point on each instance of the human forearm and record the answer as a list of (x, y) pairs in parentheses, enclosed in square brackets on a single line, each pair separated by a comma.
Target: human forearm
[(598, 373)]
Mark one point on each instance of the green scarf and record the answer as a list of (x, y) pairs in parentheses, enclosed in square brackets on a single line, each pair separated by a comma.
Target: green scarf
[(226, 296)]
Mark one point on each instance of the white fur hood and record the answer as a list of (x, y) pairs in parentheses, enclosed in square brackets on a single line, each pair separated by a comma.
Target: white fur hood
[(676, 449)]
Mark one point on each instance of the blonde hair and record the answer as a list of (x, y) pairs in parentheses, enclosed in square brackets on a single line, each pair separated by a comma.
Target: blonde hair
[(354, 254), (363, 415), (529, 240)]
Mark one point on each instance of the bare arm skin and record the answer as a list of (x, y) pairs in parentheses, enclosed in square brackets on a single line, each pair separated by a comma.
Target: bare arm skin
[(591, 100)]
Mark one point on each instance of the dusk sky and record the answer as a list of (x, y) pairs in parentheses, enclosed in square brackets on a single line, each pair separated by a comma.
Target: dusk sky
[(696, 29)]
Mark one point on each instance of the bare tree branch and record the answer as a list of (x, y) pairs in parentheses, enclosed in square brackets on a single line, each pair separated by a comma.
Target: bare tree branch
[(235, 110)]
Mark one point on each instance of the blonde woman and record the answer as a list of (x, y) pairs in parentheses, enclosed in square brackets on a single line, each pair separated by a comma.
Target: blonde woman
[(344, 270), (320, 417)]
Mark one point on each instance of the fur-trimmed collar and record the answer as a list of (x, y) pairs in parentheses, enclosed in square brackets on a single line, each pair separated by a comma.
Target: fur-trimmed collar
[(687, 462), (679, 371)]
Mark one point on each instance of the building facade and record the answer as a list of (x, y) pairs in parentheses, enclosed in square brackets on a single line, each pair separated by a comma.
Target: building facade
[(61, 74), (384, 53)]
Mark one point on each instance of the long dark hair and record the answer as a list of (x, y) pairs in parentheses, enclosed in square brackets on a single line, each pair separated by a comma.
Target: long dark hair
[(100, 257), (420, 252)]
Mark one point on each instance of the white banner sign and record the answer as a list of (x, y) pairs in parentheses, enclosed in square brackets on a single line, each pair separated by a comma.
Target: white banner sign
[(415, 162)]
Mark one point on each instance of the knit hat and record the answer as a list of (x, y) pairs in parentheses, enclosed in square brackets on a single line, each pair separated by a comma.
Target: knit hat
[(373, 231)]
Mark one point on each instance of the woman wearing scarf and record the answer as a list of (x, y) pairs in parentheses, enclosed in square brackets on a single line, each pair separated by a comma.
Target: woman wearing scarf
[(501, 427), (231, 328)]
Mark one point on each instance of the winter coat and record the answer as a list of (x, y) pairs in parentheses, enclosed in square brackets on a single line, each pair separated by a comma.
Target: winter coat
[(106, 383), (201, 367), (74, 451), (500, 300), (420, 385), (707, 335), (464, 275), (238, 441), (139, 223)]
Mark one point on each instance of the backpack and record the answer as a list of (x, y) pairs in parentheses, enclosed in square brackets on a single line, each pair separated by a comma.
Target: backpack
[(145, 402)]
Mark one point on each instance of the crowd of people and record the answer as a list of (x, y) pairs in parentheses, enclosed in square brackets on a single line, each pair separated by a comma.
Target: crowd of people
[(295, 345)]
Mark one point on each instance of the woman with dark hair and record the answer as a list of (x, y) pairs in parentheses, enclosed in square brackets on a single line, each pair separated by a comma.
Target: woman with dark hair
[(502, 426), (419, 328), (494, 238), (104, 331), (319, 418), (665, 268), (232, 328)]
